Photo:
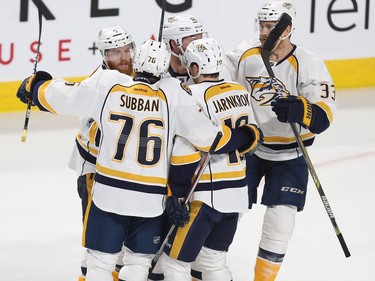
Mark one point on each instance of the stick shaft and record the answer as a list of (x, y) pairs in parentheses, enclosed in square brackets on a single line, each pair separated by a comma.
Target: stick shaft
[(160, 37), (28, 109), (320, 191)]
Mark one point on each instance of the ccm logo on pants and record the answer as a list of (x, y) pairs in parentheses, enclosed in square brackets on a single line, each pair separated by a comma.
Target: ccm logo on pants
[(292, 189)]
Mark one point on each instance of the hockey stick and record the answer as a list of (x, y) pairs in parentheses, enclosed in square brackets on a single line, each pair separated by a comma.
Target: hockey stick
[(28, 110), (270, 43), (160, 38), (196, 179)]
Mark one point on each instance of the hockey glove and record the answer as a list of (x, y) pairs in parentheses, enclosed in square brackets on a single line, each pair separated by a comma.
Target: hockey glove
[(256, 138), (293, 109), (178, 214), (25, 91)]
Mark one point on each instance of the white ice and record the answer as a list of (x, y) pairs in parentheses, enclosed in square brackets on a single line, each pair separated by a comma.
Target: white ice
[(40, 215)]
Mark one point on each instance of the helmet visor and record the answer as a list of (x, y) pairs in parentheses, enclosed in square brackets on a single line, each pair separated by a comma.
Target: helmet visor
[(116, 54)]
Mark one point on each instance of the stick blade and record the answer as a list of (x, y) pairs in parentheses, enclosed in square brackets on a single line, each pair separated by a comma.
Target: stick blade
[(24, 134), (343, 245), (284, 21)]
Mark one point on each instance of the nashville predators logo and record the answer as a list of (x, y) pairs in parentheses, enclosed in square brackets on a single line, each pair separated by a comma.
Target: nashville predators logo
[(287, 5), (171, 19), (193, 19), (201, 48), (185, 87), (265, 89)]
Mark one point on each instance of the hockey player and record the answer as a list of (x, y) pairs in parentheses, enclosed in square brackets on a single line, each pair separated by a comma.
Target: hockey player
[(117, 49), (221, 194), (138, 119), (178, 32), (302, 93)]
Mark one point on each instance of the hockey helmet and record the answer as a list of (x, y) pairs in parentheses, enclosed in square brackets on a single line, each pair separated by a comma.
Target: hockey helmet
[(179, 26), (206, 53), (114, 37), (152, 57), (272, 11)]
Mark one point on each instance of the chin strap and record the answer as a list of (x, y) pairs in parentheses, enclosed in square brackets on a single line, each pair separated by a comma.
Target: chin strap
[(191, 76), (285, 37), (187, 68)]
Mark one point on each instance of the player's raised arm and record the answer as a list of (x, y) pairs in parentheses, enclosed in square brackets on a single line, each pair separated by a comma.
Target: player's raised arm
[(58, 96)]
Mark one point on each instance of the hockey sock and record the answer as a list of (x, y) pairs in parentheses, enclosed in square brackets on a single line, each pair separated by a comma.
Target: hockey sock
[(211, 265), (115, 275), (267, 265), (266, 270)]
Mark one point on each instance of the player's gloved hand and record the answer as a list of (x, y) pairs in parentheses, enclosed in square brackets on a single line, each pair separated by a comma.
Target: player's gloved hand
[(177, 212), (256, 138), (293, 109), (25, 91)]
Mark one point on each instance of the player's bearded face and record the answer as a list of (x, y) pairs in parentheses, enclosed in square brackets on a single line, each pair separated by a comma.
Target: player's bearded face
[(120, 59), (265, 28)]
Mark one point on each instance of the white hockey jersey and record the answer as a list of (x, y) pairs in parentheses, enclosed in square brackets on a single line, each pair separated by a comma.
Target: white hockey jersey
[(138, 122), (300, 73), (223, 183), (85, 151)]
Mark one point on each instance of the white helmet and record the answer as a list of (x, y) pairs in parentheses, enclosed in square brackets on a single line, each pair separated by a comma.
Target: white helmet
[(152, 57), (206, 53), (272, 11), (114, 37), (179, 26)]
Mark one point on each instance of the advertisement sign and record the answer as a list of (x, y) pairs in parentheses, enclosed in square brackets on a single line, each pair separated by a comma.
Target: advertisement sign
[(337, 30)]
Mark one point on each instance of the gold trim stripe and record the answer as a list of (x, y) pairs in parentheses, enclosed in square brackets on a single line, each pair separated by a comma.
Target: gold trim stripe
[(92, 133), (86, 217), (327, 109), (83, 144), (224, 175), (130, 176), (220, 89), (140, 89), (250, 52), (283, 140), (186, 159), (182, 232), (293, 61), (227, 134), (42, 99)]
